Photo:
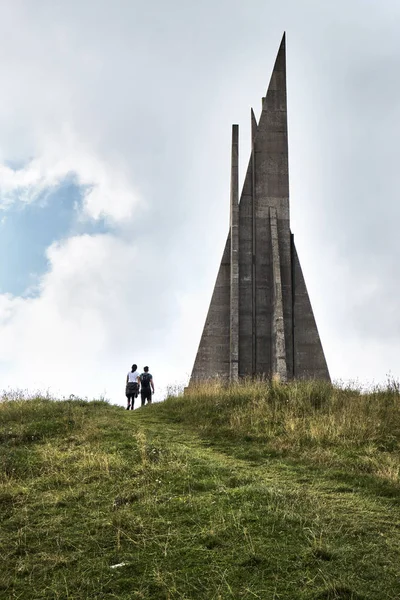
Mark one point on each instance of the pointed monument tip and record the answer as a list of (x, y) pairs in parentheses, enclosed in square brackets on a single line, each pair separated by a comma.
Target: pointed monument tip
[(278, 77), (280, 62)]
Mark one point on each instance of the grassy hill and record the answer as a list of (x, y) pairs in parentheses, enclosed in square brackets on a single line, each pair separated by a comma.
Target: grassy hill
[(258, 491)]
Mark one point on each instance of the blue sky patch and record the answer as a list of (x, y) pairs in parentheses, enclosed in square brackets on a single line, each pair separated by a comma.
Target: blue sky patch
[(26, 230)]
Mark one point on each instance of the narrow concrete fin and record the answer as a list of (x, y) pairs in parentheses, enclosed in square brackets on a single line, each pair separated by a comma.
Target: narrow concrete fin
[(234, 257), (235, 160), (309, 358), (213, 355), (279, 366), (234, 170)]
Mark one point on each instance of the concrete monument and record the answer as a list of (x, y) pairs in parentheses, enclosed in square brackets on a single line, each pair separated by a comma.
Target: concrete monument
[(260, 321)]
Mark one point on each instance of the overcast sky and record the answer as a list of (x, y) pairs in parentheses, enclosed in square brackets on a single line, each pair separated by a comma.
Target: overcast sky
[(115, 125)]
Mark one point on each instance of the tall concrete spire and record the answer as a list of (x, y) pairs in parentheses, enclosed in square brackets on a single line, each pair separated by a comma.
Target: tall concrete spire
[(260, 299)]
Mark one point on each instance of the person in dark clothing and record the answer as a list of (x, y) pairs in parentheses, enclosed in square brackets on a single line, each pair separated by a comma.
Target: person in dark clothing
[(147, 386), (132, 386)]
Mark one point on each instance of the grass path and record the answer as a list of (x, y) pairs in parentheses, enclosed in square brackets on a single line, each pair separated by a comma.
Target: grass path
[(339, 519), (186, 515)]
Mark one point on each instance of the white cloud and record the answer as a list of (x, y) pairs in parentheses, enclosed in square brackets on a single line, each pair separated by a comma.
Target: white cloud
[(109, 192), (90, 320)]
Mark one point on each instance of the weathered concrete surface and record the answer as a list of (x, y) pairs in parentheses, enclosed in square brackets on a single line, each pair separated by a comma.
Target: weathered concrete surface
[(276, 328), (246, 277), (234, 292), (279, 366)]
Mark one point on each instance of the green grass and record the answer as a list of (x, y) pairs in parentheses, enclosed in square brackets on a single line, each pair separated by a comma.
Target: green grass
[(253, 491)]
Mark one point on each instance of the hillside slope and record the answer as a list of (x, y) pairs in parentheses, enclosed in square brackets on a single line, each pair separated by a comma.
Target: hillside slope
[(285, 492)]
